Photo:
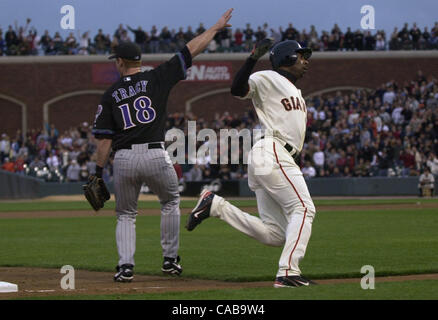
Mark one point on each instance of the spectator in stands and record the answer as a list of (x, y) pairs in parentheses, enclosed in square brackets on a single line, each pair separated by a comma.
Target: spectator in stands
[(70, 44), (8, 165), (84, 43), (17, 42), (432, 163), (114, 43), (83, 173), (207, 174), (45, 40), (212, 46), (290, 33), (425, 38), (154, 43), (404, 31), (37, 163), (140, 37), (308, 170), (225, 39), (318, 158), (260, 34), (349, 40), (408, 159), (100, 42), (224, 172), (53, 160), (415, 34), (324, 41), (19, 164), (11, 40), (335, 173), (124, 37), (370, 41), (200, 29), (426, 183), (249, 33), (180, 39), (238, 41), (395, 41), (58, 43), (389, 95), (276, 35), (434, 36), (51, 49), (406, 42), (119, 31), (5, 147), (179, 172), (361, 168), (166, 38), (189, 34), (2, 44), (73, 171), (380, 43), (194, 174), (358, 40)]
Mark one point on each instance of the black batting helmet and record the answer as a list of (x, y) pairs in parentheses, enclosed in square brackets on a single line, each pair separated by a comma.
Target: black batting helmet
[(284, 53)]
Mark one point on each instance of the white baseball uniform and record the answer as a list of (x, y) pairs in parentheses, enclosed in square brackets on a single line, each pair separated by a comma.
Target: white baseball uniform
[(285, 207)]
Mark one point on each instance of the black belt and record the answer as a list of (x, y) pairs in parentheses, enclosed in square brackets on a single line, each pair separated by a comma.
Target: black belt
[(289, 149), (155, 145)]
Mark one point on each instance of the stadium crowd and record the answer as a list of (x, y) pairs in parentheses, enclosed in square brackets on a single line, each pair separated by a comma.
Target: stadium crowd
[(391, 131), (26, 40)]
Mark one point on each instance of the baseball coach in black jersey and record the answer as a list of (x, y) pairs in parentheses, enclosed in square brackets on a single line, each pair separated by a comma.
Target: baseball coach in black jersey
[(130, 120)]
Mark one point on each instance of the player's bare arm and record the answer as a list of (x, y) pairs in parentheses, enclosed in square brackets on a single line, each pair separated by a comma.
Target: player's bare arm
[(103, 151), (198, 44)]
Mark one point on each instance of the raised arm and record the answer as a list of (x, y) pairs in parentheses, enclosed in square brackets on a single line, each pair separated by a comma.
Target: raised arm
[(240, 86), (199, 43)]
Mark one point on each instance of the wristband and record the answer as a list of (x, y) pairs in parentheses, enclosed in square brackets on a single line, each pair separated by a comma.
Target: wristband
[(99, 171)]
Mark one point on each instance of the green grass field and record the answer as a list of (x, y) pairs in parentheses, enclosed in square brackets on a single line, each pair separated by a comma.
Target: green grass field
[(12, 206), (394, 242)]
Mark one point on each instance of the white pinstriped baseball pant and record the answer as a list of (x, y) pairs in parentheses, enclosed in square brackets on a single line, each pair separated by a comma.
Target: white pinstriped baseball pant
[(132, 168)]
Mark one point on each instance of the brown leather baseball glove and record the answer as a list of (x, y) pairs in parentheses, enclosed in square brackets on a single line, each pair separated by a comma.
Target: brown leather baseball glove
[(96, 192)]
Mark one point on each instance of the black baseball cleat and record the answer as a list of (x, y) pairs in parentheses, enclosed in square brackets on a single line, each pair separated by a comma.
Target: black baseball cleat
[(201, 211), (125, 273), (171, 266), (292, 281)]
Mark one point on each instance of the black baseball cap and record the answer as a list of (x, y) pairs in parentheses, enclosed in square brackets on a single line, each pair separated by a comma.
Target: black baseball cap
[(127, 50)]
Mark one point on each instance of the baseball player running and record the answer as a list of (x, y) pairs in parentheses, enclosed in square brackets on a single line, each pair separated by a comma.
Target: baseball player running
[(285, 207), (131, 120)]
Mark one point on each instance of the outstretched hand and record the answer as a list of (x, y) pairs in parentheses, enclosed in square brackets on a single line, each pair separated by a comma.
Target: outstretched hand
[(223, 21), (261, 48)]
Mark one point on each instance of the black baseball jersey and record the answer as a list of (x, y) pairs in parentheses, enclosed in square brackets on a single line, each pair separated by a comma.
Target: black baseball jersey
[(133, 110)]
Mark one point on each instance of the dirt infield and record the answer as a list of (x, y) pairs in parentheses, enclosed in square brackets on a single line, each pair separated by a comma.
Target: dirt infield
[(37, 282)]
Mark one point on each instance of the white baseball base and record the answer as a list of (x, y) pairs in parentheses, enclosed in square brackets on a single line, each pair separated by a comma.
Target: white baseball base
[(8, 287)]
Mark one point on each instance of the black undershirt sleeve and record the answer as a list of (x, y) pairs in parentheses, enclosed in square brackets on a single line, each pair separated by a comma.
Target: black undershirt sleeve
[(240, 86), (187, 56)]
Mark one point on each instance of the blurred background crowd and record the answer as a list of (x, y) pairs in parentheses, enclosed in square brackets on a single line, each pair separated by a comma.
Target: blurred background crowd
[(26, 40), (389, 131)]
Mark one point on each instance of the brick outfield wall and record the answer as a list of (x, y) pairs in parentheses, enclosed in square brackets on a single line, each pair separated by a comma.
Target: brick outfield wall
[(35, 83)]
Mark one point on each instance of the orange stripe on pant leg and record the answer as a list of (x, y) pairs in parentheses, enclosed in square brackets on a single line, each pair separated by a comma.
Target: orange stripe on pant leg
[(302, 203)]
